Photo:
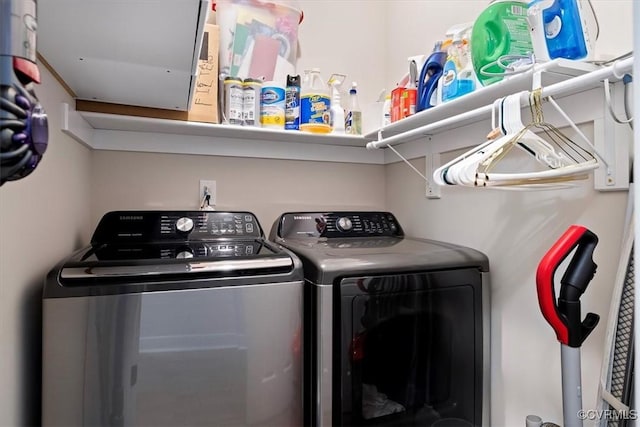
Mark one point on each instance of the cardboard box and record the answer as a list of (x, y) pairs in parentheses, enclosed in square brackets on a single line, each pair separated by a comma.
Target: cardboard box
[(204, 103), (403, 103)]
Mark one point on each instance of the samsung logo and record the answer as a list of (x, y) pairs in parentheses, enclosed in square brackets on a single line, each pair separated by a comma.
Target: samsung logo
[(301, 218), (131, 218)]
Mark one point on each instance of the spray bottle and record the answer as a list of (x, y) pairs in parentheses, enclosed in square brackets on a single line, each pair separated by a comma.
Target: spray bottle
[(336, 110), (458, 77), (353, 121), (292, 103)]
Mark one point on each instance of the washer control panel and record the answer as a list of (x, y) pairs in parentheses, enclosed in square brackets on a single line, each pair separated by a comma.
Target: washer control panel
[(338, 224), (179, 250), (154, 226)]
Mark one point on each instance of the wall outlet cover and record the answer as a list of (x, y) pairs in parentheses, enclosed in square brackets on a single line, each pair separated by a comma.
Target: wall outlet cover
[(207, 187)]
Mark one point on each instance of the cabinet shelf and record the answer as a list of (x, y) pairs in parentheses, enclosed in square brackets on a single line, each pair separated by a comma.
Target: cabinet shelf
[(179, 127), (106, 131), (103, 131)]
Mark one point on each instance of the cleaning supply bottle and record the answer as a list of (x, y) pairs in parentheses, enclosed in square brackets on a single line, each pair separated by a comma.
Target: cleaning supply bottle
[(458, 77), (353, 121), (314, 104), (292, 103), (429, 89), (386, 111), (337, 112)]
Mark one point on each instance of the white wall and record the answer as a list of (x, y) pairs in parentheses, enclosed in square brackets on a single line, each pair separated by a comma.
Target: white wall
[(265, 187), (43, 218), (348, 37), (513, 229)]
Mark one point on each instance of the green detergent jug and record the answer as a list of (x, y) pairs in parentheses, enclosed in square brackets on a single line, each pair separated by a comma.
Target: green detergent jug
[(500, 35)]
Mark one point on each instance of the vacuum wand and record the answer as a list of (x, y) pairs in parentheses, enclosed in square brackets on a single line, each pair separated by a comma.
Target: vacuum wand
[(24, 127), (564, 314)]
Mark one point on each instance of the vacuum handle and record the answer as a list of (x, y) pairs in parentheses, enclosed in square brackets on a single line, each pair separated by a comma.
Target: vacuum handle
[(564, 314)]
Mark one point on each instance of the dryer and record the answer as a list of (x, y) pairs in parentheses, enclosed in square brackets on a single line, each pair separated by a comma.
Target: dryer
[(398, 327), (167, 318)]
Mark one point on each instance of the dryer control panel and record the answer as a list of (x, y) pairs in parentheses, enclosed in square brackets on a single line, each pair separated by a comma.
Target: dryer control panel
[(338, 224), (155, 226)]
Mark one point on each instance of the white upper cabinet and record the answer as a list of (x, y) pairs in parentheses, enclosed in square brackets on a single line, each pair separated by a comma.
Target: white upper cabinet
[(134, 52)]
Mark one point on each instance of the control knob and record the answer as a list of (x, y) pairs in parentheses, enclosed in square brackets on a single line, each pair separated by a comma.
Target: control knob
[(344, 224), (184, 224), (185, 253)]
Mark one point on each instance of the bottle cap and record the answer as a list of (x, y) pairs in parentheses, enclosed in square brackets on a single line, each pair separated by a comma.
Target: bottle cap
[(293, 80), (250, 80)]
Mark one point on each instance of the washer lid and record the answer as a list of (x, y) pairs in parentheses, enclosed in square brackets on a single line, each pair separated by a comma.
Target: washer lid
[(169, 261), (324, 260), (345, 243), (142, 251)]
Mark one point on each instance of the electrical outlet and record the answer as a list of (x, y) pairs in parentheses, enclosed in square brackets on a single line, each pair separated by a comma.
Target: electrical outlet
[(207, 187)]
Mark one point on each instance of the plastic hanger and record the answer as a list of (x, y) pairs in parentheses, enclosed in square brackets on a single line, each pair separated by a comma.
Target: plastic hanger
[(447, 173)]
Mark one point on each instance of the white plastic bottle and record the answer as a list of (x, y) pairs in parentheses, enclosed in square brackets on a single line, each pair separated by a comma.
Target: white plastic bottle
[(337, 112), (386, 111), (353, 120)]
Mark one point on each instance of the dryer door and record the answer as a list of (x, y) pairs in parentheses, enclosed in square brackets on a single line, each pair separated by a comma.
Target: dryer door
[(410, 350)]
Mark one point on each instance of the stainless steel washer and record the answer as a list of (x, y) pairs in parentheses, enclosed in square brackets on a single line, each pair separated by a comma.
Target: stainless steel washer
[(174, 318), (398, 327)]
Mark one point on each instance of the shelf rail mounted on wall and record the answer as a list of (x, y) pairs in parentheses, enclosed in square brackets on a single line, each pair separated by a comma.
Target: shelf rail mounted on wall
[(609, 137)]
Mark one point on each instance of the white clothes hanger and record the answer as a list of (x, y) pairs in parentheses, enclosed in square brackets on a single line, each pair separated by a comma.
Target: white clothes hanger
[(445, 175), (562, 159), (463, 170), (565, 159)]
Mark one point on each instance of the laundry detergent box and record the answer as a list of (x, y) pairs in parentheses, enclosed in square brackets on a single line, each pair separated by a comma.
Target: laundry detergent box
[(204, 102)]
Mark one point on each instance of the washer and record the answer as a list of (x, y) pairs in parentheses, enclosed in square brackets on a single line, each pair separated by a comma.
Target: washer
[(398, 327), (174, 318)]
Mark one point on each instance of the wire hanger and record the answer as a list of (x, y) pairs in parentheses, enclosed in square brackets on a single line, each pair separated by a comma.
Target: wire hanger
[(565, 159)]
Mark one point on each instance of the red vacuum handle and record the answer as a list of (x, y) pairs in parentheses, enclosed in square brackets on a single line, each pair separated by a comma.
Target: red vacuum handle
[(564, 314)]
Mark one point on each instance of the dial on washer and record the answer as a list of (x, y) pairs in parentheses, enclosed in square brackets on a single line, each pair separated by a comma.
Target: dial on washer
[(344, 224), (184, 224)]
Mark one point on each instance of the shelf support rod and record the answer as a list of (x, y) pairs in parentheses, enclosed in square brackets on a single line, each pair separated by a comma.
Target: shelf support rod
[(575, 84)]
